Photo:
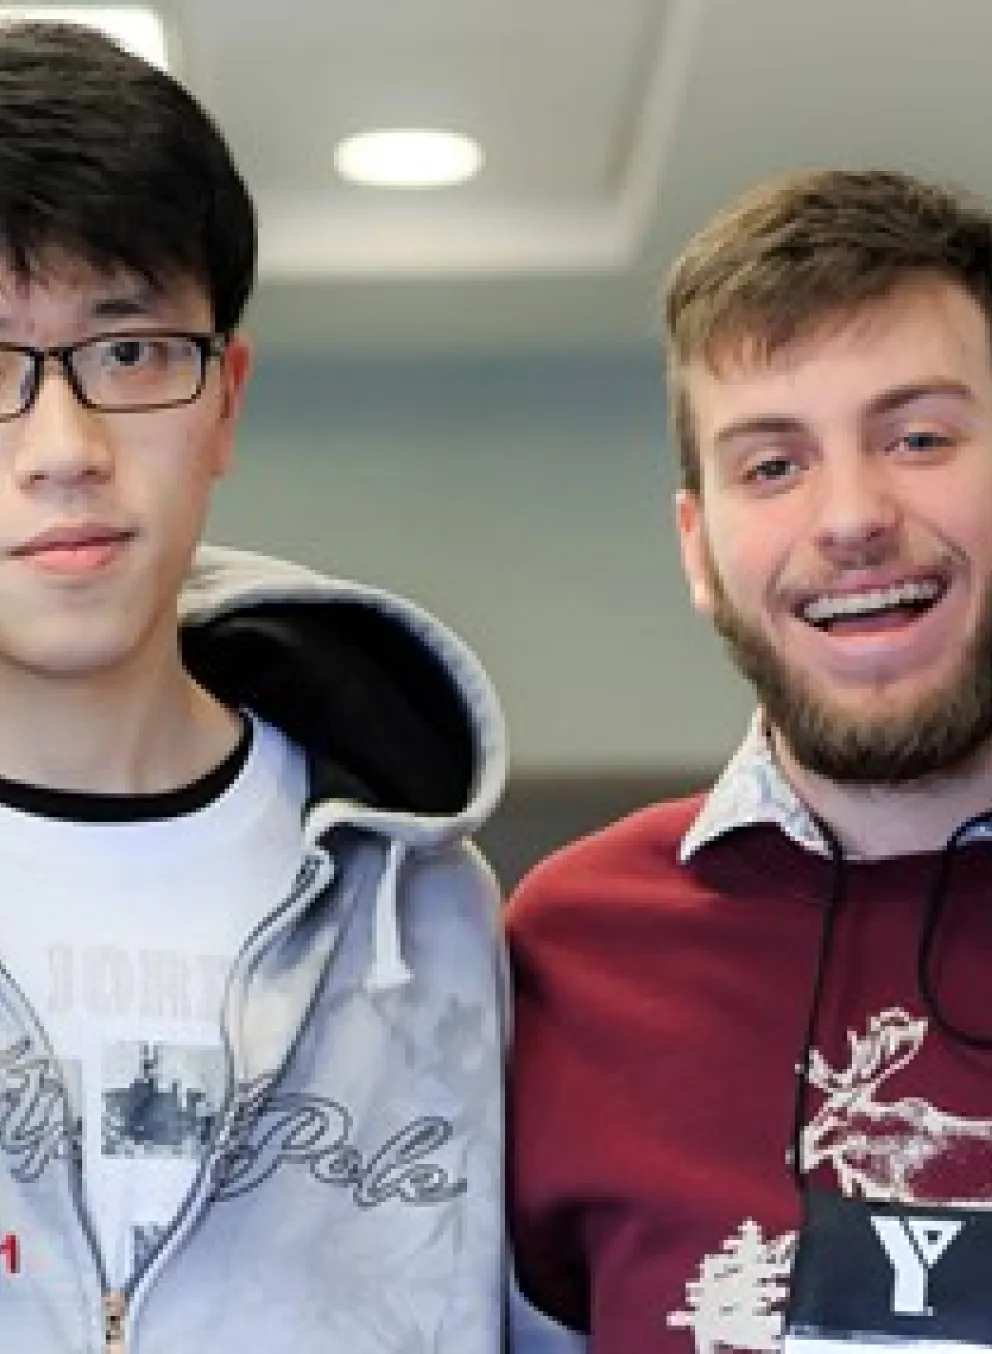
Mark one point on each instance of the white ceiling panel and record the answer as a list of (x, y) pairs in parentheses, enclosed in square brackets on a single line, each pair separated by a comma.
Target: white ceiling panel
[(546, 87)]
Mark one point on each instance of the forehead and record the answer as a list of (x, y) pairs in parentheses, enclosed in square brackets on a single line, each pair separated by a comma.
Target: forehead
[(921, 332), (63, 290)]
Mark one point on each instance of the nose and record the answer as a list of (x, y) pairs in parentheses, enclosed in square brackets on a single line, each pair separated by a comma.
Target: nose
[(58, 441), (857, 512)]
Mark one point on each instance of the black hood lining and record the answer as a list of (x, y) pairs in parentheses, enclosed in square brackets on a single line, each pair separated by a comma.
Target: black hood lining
[(377, 712)]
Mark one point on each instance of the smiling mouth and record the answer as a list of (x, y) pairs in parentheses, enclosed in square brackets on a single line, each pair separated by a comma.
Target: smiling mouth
[(872, 608)]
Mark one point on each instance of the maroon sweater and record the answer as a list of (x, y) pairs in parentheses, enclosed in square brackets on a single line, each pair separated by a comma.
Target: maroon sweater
[(660, 1014)]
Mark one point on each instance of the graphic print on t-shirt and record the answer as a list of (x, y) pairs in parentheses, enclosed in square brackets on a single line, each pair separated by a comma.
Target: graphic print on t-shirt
[(70, 1070), (879, 1147), (159, 1100), (159, 1103), (142, 983)]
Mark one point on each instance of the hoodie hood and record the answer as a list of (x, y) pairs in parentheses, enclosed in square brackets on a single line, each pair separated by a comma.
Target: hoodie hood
[(400, 723)]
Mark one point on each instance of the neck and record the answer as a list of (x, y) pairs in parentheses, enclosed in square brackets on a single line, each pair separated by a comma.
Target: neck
[(111, 735), (877, 821)]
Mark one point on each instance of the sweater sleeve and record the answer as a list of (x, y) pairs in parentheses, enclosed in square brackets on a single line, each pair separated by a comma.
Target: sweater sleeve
[(545, 1222), (579, 930)]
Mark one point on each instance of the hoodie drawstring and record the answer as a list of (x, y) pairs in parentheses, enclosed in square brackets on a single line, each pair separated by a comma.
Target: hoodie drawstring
[(835, 899), (389, 969), (936, 906)]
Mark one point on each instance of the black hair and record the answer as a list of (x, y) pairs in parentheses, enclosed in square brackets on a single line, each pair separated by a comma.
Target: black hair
[(107, 160)]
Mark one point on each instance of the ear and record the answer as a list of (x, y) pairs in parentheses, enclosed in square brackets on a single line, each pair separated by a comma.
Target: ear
[(236, 367), (695, 552)]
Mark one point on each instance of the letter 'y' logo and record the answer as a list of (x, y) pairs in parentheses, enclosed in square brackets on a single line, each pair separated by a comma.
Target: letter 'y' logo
[(913, 1245)]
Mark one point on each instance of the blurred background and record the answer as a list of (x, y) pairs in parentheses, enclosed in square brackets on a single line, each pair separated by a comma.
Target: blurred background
[(459, 392)]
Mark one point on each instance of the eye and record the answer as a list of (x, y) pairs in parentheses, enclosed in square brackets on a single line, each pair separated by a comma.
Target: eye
[(129, 353), (771, 469), (923, 440)]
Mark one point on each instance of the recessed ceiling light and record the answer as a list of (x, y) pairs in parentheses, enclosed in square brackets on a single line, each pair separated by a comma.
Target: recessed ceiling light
[(408, 158), (135, 28)]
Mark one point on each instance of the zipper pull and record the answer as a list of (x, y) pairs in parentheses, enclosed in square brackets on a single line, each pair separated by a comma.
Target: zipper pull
[(113, 1322)]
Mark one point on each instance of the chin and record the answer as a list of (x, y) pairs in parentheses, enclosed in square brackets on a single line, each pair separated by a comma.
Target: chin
[(885, 741), (78, 662)]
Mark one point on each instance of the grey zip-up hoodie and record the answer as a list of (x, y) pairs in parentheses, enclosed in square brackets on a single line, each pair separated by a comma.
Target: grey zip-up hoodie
[(351, 1199)]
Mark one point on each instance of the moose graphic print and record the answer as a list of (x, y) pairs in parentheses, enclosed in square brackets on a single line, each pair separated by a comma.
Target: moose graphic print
[(877, 1146)]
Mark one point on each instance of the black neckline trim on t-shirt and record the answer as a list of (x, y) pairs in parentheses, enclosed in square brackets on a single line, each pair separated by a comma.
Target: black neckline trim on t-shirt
[(82, 807)]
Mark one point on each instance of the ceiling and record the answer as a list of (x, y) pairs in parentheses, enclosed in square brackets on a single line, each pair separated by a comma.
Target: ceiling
[(611, 129)]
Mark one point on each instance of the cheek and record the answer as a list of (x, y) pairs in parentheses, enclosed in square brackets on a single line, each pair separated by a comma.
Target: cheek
[(192, 444), (747, 561), (728, 542), (168, 487), (971, 530), (218, 450)]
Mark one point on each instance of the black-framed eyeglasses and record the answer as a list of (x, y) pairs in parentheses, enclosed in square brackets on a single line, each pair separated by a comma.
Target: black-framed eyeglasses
[(119, 373)]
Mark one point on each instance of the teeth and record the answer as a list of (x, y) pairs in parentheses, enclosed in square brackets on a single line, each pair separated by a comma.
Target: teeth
[(825, 609)]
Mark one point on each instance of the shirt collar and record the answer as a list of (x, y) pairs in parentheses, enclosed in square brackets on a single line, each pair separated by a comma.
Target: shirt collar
[(752, 791)]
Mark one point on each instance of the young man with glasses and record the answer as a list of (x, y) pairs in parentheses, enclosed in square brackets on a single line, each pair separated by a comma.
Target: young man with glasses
[(249, 989)]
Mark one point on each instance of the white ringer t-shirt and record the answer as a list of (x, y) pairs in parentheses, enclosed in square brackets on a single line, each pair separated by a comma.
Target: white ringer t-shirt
[(120, 929)]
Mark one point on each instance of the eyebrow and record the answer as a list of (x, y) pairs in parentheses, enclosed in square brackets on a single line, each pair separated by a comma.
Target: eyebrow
[(122, 305), (138, 302), (766, 426), (891, 400), (888, 402)]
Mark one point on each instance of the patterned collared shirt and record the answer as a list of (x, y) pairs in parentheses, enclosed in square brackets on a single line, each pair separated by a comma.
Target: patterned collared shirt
[(752, 790)]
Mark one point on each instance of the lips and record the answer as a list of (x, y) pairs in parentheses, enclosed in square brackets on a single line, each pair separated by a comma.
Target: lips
[(870, 629), (868, 600), (72, 554), (67, 539), (878, 603)]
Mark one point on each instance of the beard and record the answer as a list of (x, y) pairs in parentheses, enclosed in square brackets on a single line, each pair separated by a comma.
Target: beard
[(937, 735)]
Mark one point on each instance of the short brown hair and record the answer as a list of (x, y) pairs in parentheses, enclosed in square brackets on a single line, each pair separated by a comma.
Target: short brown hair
[(790, 254)]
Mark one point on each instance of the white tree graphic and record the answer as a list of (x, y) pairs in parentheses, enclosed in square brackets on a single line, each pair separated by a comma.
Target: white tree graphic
[(735, 1303)]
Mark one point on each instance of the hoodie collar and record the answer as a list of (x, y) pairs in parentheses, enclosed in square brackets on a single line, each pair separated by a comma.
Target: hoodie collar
[(400, 724), (398, 718)]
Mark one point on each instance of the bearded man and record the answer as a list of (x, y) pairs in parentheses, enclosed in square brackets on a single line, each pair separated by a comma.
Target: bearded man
[(752, 1091)]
